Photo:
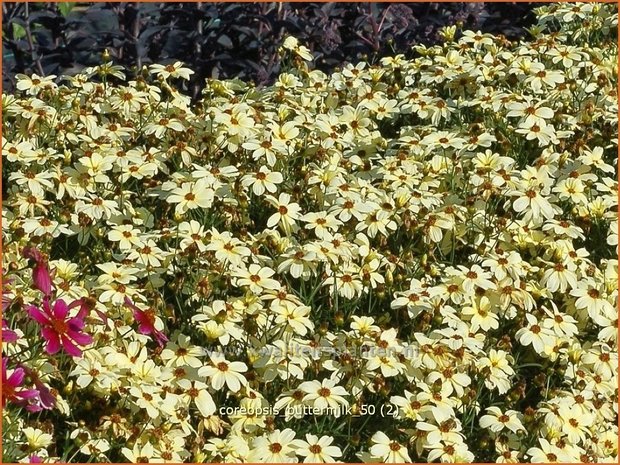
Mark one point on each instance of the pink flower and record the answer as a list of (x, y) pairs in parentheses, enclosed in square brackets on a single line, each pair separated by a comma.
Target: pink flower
[(11, 386), (8, 335), (86, 305), (45, 400), (146, 322), (58, 329), (41, 273)]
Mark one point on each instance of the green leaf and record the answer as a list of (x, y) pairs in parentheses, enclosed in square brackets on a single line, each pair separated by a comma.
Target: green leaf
[(66, 7), (18, 31)]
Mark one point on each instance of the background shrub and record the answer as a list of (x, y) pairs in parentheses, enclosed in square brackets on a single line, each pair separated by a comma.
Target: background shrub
[(225, 40)]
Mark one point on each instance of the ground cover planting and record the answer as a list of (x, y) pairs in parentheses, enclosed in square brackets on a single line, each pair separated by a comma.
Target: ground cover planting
[(414, 261)]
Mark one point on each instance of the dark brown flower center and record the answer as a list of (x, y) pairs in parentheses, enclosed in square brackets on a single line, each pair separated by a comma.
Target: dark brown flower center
[(60, 326), (315, 449)]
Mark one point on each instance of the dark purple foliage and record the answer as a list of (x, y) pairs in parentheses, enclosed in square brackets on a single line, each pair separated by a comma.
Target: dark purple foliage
[(225, 40)]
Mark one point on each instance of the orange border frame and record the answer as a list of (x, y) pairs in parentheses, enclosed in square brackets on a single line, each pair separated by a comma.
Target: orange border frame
[(344, 1)]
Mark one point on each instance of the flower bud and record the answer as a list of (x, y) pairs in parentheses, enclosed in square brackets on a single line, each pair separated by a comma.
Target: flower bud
[(69, 387), (323, 329)]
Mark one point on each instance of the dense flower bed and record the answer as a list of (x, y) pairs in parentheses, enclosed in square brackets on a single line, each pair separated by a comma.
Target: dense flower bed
[(408, 262)]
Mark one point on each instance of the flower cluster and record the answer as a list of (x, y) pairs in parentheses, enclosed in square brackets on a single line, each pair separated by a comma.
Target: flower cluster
[(407, 262)]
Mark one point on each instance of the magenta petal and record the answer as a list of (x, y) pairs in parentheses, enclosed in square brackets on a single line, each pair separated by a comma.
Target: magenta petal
[(76, 324), (48, 333), (160, 337), (17, 377), (32, 253), (45, 305), (33, 408), (46, 399), (53, 341), (6, 302), (9, 335), (102, 315), (83, 312), (42, 279), (145, 325), (131, 305), (60, 309), (28, 393), (144, 328), (37, 315), (70, 347), (81, 338), (140, 317)]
